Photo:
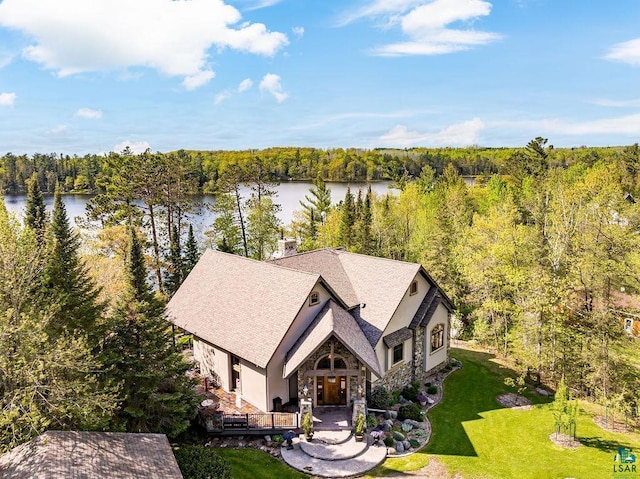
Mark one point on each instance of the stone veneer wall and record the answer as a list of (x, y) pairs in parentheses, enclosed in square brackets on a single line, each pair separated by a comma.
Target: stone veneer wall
[(340, 350), (397, 377)]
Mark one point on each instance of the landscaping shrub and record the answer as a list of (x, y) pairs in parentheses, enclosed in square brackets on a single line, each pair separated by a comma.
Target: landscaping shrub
[(278, 439), (371, 421), (406, 427), (411, 411), (197, 462), (410, 393), (380, 398), (389, 441), (414, 444), (432, 390), (416, 385), (395, 395)]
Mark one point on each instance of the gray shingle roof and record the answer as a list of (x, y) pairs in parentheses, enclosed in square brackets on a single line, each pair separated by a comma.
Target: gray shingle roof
[(228, 299), (332, 320), (377, 283), (90, 455), (425, 305), (397, 337), (325, 262)]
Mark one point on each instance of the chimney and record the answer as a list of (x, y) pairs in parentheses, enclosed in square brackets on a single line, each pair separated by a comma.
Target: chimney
[(287, 247)]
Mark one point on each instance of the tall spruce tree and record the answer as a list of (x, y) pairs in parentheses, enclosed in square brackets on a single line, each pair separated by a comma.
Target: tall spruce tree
[(191, 254), (36, 214), (157, 394), (174, 274), (66, 279), (347, 220)]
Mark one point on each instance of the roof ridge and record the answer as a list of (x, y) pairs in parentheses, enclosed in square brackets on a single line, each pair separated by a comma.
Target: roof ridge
[(390, 260), (268, 263)]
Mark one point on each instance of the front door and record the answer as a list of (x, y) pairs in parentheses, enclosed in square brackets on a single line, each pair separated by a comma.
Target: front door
[(334, 390)]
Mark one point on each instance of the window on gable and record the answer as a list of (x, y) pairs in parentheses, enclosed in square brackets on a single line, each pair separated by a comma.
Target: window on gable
[(437, 337), (314, 298), (413, 289), (398, 352), (628, 325)]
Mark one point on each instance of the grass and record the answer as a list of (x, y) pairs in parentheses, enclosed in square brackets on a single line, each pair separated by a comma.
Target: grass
[(252, 463), (475, 437)]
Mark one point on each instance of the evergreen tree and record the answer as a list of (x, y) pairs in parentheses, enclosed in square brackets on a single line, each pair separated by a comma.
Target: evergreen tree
[(46, 382), (347, 220), (191, 254), (363, 225), (319, 203), (174, 275), (36, 214), (157, 394), (67, 282)]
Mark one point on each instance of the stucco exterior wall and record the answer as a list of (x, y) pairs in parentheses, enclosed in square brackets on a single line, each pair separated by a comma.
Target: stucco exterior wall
[(435, 359), (398, 375), (214, 362), (254, 385), (277, 386)]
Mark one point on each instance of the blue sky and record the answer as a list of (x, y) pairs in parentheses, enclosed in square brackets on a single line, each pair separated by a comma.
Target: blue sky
[(79, 76)]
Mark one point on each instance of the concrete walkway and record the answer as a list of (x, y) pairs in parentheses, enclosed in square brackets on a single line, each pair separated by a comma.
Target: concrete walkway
[(334, 454)]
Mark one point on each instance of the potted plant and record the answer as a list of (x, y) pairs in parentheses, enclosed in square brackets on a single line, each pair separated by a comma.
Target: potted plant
[(307, 426), (360, 427), (422, 399)]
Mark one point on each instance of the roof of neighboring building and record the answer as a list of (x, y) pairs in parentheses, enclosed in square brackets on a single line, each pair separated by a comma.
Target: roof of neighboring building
[(378, 284), (89, 455), (332, 320), (227, 300)]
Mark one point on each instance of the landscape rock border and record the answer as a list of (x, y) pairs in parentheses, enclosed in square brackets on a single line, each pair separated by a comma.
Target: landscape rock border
[(514, 401)]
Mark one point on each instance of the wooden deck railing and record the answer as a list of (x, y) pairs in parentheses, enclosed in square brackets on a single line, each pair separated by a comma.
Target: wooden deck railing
[(273, 421)]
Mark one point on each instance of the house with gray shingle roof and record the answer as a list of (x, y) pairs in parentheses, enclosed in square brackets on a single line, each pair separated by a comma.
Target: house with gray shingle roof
[(89, 455), (326, 319)]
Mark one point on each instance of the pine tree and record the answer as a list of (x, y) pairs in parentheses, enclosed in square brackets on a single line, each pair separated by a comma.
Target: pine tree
[(174, 275), (347, 220), (36, 214), (191, 254), (157, 394), (363, 224), (319, 202), (67, 281)]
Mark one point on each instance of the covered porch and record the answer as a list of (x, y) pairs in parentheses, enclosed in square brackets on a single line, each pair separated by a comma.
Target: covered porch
[(330, 365)]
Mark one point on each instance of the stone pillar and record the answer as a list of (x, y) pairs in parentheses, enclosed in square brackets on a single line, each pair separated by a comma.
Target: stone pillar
[(359, 407)]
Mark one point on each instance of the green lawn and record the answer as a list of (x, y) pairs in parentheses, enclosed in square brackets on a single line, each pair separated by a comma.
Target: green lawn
[(476, 438), (252, 464)]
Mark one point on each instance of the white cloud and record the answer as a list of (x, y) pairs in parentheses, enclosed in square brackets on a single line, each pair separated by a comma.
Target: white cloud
[(426, 24), (616, 103), (171, 36), (89, 114), (7, 99), (263, 4), (58, 130), (245, 84), (298, 31), (271, 83), (192, 82), (459, 134), (222, 96), (136, 147), (625, 52)]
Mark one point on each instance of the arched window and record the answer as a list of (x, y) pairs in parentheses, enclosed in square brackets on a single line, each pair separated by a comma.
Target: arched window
[(325, 363), (437, 337)]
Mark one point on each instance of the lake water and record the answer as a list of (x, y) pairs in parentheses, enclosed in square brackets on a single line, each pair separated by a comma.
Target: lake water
[(289, 195)]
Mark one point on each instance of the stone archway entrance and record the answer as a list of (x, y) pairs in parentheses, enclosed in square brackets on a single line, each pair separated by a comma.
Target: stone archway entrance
[(331, 384)]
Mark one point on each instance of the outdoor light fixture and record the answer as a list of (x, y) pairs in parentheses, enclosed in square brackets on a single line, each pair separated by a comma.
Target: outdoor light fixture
[(360, 390), (305, 391)]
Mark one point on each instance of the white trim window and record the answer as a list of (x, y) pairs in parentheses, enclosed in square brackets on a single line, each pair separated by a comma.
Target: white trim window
[(437, 337)]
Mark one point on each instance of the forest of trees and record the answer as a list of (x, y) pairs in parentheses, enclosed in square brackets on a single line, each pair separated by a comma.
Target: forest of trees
[(91, 173), (540, 257)]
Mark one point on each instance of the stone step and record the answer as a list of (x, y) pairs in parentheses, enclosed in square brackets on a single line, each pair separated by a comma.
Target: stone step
[(332, 437), (371, 457), (333, 451)]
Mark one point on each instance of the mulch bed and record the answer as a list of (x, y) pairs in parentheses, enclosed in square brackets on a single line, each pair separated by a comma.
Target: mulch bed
[(565, 441), (611, 426)]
